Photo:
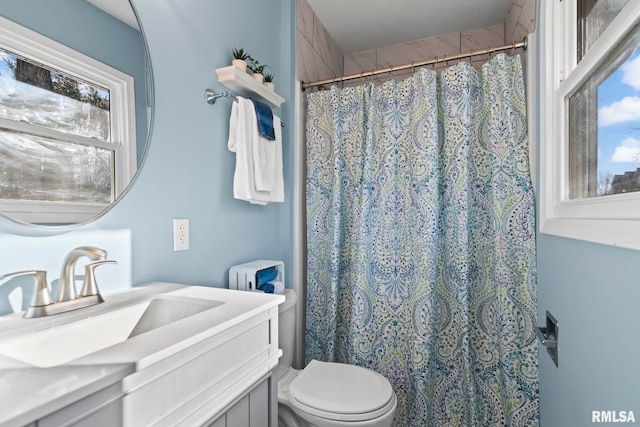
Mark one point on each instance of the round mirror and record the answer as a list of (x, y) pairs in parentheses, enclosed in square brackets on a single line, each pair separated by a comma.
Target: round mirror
[(75, 108)]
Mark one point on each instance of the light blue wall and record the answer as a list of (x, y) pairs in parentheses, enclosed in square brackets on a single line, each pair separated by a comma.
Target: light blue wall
[(594, 292), (188, 171)]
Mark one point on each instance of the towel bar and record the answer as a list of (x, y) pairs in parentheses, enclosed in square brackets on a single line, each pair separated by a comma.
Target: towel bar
[(212, 96)]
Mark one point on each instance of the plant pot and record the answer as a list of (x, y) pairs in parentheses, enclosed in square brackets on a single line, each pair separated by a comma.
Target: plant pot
[(270, 86), (259, 77), (240, 64)]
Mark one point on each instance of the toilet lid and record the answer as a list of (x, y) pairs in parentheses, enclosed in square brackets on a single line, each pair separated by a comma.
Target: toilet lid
[(341, 389)]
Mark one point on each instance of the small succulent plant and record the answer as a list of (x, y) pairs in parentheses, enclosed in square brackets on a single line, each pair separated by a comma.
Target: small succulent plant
[(268, 77), (256, 67), (242, 55)]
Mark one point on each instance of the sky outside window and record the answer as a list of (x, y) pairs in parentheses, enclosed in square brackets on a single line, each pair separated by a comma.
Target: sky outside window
[(619, 119)]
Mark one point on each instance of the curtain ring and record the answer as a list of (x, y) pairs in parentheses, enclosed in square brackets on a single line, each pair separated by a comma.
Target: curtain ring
[(413, 67), (372, 71), (471, 56), (444, 59), (390, 71), (513, 48), (435, 63), (489, 51)]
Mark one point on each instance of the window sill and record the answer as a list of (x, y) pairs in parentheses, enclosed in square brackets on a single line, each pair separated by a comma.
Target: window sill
[(612, 232)]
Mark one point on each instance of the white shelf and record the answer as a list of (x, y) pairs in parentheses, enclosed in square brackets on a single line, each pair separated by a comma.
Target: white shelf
[(245, 85)]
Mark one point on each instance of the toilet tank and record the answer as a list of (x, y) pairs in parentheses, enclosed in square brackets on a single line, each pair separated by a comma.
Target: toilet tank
[(286, 332)]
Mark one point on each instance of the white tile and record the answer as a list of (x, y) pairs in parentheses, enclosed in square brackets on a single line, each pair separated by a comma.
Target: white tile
[(359, 62), (304, 18), (526, 21), (481, 38), (326, 47), (309, 65), (512, 20), (419, 50)]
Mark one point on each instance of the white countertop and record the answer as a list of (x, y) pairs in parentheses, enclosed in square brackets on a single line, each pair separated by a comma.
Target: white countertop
[(27, 393)]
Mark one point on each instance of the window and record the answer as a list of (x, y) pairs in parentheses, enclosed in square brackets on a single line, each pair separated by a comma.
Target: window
[(590, 120), (67, 130)]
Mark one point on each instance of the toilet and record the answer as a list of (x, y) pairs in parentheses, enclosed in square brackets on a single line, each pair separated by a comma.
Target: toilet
[(327, 394)]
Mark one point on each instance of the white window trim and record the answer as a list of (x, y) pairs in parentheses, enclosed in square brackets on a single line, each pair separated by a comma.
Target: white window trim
[(614, 219), (23, 41)]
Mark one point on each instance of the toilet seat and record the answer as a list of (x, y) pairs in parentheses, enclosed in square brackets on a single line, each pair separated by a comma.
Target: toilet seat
[(341, 392)]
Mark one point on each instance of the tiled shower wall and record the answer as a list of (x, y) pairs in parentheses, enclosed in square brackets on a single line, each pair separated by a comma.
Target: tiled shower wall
[(318, 57), (521, 20)]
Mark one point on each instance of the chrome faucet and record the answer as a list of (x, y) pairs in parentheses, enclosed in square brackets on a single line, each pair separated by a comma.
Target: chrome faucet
[(67, 299), (67, 282)]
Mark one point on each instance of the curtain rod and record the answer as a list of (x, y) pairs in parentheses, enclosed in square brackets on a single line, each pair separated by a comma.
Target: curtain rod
[(489, 50)]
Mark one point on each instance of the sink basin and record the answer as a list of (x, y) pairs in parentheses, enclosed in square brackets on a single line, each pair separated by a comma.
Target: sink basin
[(64, 343)]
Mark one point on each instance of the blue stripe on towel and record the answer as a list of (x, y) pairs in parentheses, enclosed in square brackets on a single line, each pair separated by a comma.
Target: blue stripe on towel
[(265, 120)]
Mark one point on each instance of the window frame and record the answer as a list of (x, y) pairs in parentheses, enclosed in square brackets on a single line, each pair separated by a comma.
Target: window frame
[(23, 41), (611, 219)]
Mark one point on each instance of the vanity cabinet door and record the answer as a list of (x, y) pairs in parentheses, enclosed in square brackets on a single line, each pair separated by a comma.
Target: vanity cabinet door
[(259, 405), (220, 422), (103, 408), (238, 415), (252, 410)]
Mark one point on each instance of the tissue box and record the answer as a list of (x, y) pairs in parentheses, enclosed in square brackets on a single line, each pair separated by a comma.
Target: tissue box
[(243, 277)]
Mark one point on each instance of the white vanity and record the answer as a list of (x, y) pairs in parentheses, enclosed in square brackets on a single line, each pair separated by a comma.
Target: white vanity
[(163, 354)]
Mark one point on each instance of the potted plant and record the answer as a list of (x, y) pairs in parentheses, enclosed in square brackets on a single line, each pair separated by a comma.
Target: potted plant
[(268, 81), (257, 69), (240, 59)]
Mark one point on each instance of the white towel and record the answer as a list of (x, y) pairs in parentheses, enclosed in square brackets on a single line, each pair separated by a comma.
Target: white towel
[(258, 176)]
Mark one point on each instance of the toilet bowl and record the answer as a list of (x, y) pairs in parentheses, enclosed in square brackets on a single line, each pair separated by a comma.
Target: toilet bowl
[(327, 394)]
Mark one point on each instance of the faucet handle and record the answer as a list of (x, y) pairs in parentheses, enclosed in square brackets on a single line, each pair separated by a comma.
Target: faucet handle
[(41, 296), (90, 286)]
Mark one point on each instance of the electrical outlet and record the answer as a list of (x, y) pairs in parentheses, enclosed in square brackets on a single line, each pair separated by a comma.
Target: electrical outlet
[(180, 234)]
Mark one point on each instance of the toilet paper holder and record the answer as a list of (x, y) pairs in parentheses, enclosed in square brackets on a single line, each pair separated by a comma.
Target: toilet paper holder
[(548, 337)]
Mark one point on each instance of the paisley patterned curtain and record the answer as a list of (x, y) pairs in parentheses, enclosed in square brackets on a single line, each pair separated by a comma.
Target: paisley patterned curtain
[(421, 245)]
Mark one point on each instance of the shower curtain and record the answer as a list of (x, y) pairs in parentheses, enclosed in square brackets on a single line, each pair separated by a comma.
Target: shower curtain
[(421, 244)]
